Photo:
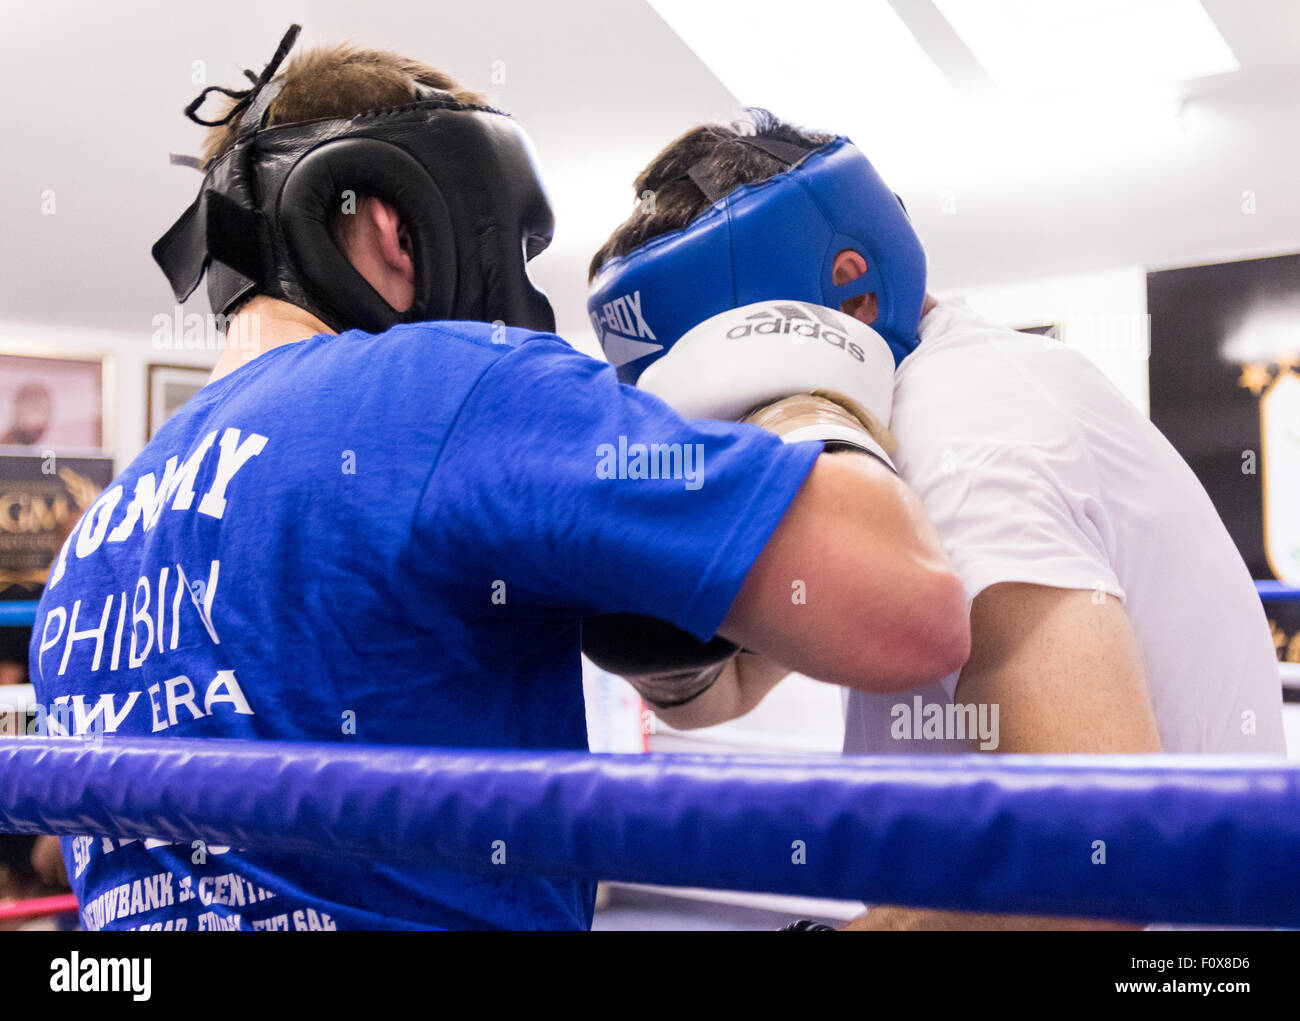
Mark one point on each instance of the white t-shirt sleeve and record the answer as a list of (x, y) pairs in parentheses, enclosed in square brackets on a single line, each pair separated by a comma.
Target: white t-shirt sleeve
[(1007, 480)]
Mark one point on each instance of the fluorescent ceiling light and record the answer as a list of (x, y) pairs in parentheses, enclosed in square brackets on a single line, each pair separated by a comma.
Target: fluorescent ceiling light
[(1102, 45), (821, 63)]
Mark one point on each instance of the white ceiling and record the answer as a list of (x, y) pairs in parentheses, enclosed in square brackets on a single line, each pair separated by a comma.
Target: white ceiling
[(94, 96)]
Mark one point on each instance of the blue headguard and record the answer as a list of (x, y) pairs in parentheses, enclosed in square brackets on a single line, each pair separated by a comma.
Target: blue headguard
[(775, 240)]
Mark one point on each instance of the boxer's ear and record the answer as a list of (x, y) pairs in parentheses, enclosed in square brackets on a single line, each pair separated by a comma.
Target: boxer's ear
[(393, 236), (847, 267), (377, 242)]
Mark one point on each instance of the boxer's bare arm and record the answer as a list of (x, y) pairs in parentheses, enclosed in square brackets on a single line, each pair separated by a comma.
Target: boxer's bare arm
[(1065, 670), (908, 556), (853, 587)]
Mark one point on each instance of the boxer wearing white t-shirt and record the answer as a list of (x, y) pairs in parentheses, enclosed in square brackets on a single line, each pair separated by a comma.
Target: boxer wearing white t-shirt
[(1110, 609), (1106, 594), (1038, 472)]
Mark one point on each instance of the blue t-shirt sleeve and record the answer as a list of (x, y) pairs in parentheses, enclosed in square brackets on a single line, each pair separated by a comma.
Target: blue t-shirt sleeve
[(560, 490)]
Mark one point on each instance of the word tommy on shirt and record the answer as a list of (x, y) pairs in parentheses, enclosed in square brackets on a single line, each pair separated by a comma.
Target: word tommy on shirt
[(125, 627)]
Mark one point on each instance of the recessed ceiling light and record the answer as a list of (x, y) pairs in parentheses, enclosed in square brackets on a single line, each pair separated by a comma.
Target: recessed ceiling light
[(1107, 45), (821, 63)]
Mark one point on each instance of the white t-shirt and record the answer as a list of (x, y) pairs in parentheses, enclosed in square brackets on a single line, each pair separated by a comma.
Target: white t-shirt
[(1036, 469)]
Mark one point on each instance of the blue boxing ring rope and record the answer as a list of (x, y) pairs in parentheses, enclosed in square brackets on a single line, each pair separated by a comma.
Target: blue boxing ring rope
[(18, 613), (1277, 592), (22, 613), (1204, 839)]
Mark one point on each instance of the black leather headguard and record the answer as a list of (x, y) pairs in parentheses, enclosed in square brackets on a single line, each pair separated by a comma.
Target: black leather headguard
[(463, 179)]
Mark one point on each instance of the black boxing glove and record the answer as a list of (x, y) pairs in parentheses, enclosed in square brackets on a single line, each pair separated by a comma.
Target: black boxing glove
[(665, 664), (806, 925)]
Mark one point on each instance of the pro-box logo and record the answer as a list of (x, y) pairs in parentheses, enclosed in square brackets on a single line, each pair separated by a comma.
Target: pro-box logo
[(620, 326), (800, 320)]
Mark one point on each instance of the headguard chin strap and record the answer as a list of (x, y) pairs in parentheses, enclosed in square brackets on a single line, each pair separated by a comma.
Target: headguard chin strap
[(772, 241), (463, 179)]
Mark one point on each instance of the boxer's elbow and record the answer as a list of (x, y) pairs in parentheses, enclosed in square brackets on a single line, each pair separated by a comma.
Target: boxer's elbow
[(929, 638), (943, 627)]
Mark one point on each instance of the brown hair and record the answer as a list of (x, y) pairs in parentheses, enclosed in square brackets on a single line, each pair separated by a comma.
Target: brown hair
[(340, 81), (337, 81), (719, 153)]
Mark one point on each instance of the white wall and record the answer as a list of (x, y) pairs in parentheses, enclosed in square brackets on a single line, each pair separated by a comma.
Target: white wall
[(1104, 315)]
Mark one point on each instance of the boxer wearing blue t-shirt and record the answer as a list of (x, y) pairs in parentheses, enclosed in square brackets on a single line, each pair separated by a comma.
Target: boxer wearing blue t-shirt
[(332, 543), (393, 538)]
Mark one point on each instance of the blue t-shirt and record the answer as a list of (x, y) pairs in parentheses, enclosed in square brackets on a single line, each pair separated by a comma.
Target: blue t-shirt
[(385, 539)]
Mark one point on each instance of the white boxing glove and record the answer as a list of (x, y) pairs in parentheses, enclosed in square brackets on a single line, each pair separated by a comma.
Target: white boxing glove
[(803, 371)]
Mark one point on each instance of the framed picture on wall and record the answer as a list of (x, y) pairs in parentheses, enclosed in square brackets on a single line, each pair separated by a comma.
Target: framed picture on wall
[(42, 496), (170, 386), (52, 403)]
